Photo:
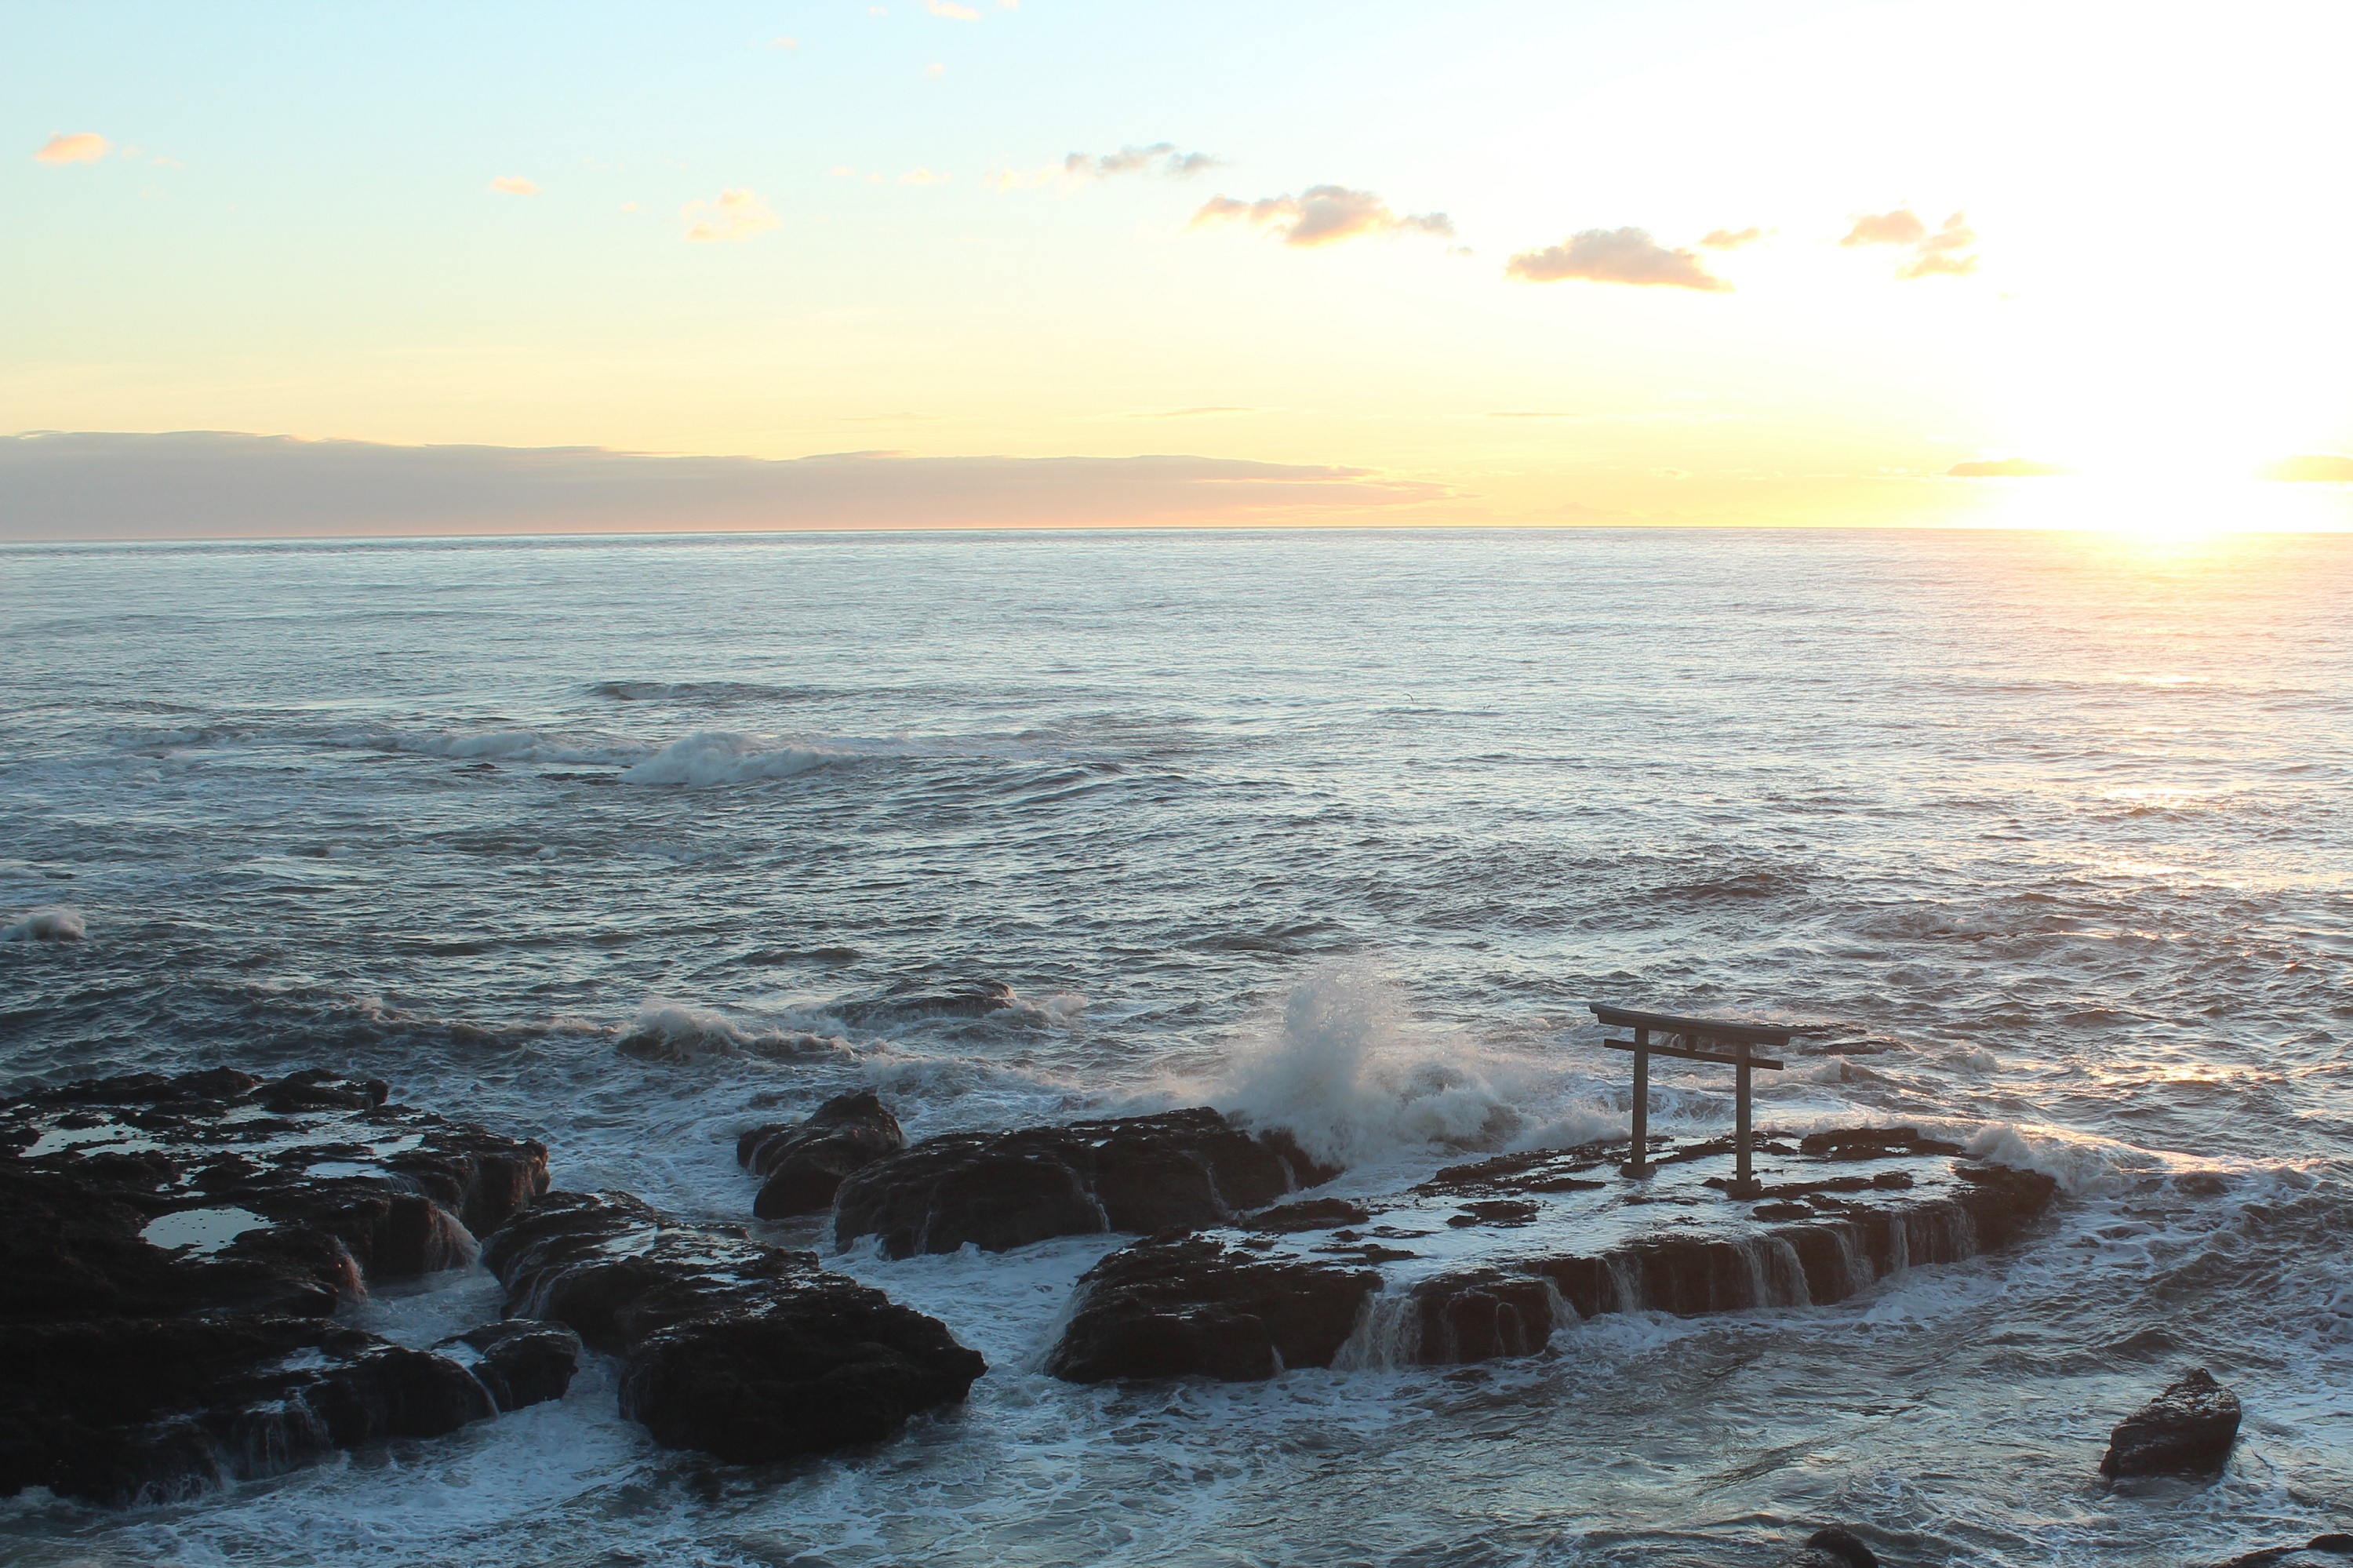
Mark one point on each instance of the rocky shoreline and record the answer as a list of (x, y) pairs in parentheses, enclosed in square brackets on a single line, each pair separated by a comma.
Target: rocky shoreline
[(174, 1253)]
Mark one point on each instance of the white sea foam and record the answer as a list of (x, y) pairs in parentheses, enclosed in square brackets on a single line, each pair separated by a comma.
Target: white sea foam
[(1343, 1066), (709, 758), (667, 1031), (50, 923)]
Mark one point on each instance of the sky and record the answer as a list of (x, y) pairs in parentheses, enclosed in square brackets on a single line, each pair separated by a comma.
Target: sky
[(1775, 262)]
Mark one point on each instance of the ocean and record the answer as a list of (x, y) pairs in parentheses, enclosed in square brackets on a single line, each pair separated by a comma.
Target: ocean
[(628, 845)]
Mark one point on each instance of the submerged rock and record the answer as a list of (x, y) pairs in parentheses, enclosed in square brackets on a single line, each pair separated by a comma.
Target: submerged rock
[(169, 1247), (2186, 1430), (1833, 1546), (2321, 1551), (1533, 1241), (729, 1345), (804, 1162), (1170, 1306), (1179, 1170)]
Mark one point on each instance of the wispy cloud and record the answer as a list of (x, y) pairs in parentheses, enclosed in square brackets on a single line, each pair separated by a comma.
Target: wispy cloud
[(2006, 468), (736, 214), (215, 486), (1193, 413), (951, 10), (2312, 468), (1944, 253), (1616, 255), (1322, 215), (925, 177), (1731, 239), (73, 147), (514, 184), (1164, 159), (1532, 414)]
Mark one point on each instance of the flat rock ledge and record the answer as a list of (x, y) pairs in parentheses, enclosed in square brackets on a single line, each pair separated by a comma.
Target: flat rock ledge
[(742, 1349), (2329, 1551), (1532, 1243), (2186, 1430), (1181, 1170), (171, 1249)]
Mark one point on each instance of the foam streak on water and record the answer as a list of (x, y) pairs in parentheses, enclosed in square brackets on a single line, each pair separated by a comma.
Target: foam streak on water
[(2044, 837)]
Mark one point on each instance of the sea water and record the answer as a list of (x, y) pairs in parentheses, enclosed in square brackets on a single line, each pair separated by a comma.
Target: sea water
[(629, 844)]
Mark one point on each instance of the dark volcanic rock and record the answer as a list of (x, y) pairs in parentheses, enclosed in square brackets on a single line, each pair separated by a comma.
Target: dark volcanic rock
[(137, 1410), (1834, 1547), (253, 1195), (1170, 1306), (2186, 1430), (744, 1350), (1179, 1170), (520, 1361), (170, 1245), (1310, 1214), (2313, 1553), (804, 1162), (1551, 1247), (1871, 1143)]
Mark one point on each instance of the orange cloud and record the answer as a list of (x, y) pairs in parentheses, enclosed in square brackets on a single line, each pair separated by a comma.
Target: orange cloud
[(735, 214), (1902, 226), (1616, 255), (1321, 215), (514, 184), (74, 147), (1938, 255), (1731, 239)]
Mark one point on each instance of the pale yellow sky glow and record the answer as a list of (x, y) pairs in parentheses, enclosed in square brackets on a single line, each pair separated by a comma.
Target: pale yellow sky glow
[(1777, 264)]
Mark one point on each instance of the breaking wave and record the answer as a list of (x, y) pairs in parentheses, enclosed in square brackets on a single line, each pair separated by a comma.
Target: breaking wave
[(50, 923)]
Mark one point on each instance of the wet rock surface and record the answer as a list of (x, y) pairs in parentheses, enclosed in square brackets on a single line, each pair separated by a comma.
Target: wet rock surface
[(124, 1411), (1486, 1259), (1180, 1170), (171, 1248), (519, 1361), (220, 1191), (1176, 1305), (2186, 1430), (803, 1163), (729, 1345)]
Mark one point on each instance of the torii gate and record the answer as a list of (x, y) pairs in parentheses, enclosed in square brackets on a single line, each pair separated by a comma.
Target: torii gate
[(1739, 1038)]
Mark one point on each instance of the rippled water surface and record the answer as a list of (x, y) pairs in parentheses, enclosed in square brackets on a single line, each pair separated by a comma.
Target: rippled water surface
[(600, 841)]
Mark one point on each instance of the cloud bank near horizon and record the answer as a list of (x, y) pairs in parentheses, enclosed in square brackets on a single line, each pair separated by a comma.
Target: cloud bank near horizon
[(207, 484)]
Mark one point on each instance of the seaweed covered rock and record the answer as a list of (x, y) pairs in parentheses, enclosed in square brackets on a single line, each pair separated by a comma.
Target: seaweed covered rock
[(729, 1345), (2186, 1430), (170, 1248), (996, 1191), (804, 1162), (1172, 1305)]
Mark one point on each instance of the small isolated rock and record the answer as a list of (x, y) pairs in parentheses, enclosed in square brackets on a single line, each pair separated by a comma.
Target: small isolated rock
[(804, 1162), (2187, 1430), (521, 1361), (1833, 1547)]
